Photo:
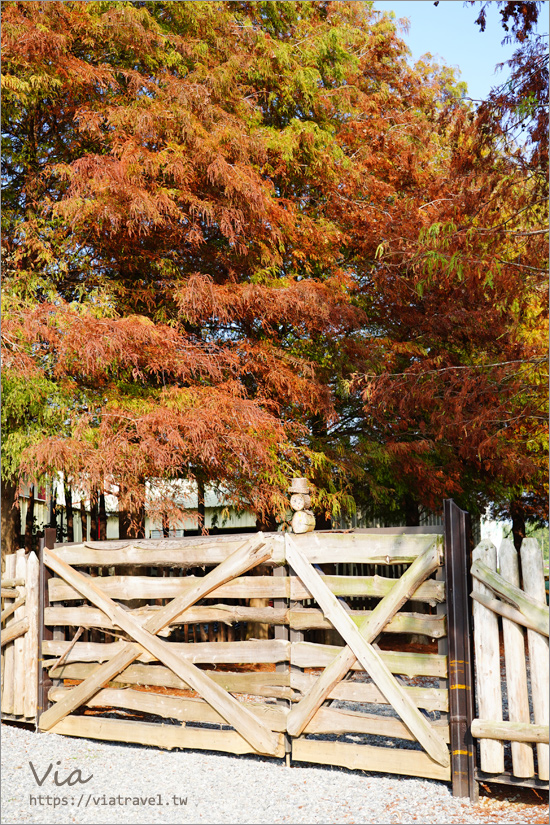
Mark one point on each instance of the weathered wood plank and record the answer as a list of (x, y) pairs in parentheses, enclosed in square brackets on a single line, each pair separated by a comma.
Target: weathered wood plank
[(506, 610), (250, 652), (309, 654), (423, 624), (368, 657), (348, 691), (19, 669), (160, 736), (276, 685), (85, 616), (9, 654), (174, 707), (385, 610), (362, 548), (516, 670), (330, 720), (487, 661), (509, 731), (190, 552), (536, 611), (152, 587), (369, 758), (12, 608), (15, 630), (227, 614), (318, 548), (260, 737), (32, 640), (230, 541), (12, 582), (9, 593), (533, 583)]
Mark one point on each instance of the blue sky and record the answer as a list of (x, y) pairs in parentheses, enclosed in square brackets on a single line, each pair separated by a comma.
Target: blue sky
[(448, 31)]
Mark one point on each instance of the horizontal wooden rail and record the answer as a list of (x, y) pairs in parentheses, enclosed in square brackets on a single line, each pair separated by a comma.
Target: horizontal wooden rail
[(160, 736), (369, 758), (9, 593), (244, 587), (275, 685), (345, 548), (13, 582), (301, 654), (428, 698), (419, 623), (251, 652), (509, 731)]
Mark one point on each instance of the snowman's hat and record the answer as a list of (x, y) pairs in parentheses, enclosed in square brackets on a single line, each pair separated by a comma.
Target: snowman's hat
[(299, 485)]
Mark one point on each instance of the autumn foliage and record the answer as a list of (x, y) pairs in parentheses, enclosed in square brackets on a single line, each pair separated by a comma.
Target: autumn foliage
[(245, 241)]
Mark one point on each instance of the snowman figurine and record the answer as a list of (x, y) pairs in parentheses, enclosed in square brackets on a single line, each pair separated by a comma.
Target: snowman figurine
[(303, 520)]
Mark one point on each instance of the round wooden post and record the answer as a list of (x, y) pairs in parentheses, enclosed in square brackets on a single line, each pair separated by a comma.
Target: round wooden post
[(461, 684)]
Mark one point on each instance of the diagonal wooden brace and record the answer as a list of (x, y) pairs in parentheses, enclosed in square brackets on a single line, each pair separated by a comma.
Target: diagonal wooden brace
[(302, 713), (236, 714), (535, 611), (358, 647)]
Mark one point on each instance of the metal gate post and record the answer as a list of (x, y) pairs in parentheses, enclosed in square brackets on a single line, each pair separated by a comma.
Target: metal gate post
[(44, 632), (460, 656)]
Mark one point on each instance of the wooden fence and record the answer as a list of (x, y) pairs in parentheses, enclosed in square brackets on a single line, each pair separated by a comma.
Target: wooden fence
[(20, 637), (511, 615), (116, 613), (345, 648)]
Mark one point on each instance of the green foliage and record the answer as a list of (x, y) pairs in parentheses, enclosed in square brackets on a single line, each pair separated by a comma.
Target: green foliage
[(32, 408), (219, 216)]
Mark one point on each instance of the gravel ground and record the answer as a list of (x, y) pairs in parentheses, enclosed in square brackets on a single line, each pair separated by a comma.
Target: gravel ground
[(144, 785)]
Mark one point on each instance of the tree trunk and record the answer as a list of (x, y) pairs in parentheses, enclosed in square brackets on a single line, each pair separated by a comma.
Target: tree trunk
[(83, 521), (518, 522), (411, 511), (267, 524), (60, 529), (201, 510), (102, 518), (69, 512), (322, 522), (127, 527), (123, 524), (11, 524), (52, 521), (29, 520), (94, 521)]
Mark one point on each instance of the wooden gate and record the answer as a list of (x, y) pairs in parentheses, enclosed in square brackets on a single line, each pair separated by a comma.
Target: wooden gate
[(512, 711), (20, 637), (112, 652), (251, 731), (359, 674)]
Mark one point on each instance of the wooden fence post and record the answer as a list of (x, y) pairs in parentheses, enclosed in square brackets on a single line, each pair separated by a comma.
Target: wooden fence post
[(459, 624), (282, 632), (44, 632)]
